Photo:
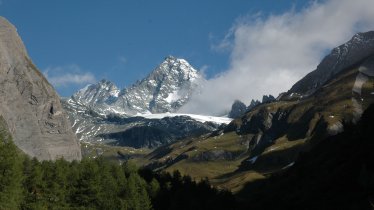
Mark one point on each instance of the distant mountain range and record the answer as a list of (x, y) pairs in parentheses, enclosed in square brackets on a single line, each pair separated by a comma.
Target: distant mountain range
[(144, 114), (312, 103)]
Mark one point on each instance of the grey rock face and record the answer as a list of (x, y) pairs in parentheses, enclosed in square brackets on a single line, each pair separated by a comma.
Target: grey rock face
[(253, 104), (267, 99), (357, 49), (238, 108), (97, 95), (29, 104), (165, 89)]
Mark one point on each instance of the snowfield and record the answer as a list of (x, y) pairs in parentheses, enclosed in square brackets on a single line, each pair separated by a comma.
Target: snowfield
[(200, 118)]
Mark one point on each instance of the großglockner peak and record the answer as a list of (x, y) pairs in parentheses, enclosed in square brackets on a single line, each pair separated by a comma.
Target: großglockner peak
[(342, 57), (167, 88)]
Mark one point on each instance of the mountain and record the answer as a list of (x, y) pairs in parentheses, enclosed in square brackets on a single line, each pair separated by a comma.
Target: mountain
[(338, 173), (30, 108), (136, 131), (279, 130), (238, 108), (253, 104), (165, 89), (360, 47), (139, 116), (97, 96), (267, 99), (269, 137)]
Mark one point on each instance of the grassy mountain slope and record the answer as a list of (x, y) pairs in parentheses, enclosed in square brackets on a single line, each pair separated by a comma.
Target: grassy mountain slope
[(338, 173)]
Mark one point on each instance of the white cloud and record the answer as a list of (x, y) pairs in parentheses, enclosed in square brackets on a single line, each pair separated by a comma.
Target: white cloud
[(64, 76), (269, 54), (203, 69)]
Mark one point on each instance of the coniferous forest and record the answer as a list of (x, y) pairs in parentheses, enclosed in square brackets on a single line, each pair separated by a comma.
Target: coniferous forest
[(98, 184)]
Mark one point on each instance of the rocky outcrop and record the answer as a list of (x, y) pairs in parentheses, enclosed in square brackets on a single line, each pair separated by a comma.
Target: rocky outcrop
[(267, 99), (253, 104), (238, 108), (29, 105)]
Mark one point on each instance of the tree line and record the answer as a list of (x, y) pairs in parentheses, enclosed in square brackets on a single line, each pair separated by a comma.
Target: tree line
[(27, 183)]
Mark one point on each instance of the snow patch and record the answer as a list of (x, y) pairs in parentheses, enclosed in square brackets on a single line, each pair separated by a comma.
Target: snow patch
[(114, 93), (253, 160), (289, 165), (172, 97)]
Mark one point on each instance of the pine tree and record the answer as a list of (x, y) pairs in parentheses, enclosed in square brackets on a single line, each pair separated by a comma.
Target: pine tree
[(33, 185), (88, 185), (10, 175)]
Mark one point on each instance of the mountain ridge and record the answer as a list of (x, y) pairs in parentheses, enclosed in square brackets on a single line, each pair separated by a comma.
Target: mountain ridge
[(359, 47), (168, 87)]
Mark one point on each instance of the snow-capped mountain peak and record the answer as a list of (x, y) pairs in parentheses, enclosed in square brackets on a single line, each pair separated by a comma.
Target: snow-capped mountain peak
[(174, 68), (168, 87), (165, 89)]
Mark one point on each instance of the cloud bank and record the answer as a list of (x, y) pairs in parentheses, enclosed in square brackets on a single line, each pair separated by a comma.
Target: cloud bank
[(269, 54), (68, 75)]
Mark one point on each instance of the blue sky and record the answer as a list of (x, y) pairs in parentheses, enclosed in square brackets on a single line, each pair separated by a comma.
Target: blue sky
[(76, 42)]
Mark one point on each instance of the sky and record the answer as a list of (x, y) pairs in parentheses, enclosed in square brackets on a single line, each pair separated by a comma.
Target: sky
[(78, 42), (245, 48)]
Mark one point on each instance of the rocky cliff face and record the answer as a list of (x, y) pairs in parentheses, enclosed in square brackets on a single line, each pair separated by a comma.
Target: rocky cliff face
[(238, 108), (29, 104)]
